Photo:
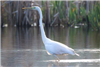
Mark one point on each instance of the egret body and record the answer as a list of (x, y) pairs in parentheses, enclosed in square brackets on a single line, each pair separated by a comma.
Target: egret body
[(53, 47)]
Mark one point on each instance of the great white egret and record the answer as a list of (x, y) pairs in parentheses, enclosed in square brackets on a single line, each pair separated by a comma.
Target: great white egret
[(53, 47)]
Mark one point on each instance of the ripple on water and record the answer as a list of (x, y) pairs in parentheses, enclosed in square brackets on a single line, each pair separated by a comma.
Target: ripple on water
[(76, 61)]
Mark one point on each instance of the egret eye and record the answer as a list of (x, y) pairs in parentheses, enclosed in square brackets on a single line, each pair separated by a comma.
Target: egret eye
[(33, 7)]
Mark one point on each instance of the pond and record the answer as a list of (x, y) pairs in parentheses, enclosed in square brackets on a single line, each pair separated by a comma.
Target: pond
[(23, 47)]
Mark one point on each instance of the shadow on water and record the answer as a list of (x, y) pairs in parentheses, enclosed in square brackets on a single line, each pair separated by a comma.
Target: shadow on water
[(23, 47)]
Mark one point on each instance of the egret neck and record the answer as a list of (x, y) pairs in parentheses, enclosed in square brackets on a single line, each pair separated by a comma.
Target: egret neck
[(44, 38)]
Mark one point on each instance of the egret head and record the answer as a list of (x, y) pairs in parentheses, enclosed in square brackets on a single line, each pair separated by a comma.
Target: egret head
[(34, 8)]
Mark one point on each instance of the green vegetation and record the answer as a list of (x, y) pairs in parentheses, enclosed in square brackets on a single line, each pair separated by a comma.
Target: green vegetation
[(94, 17), (72, 14)]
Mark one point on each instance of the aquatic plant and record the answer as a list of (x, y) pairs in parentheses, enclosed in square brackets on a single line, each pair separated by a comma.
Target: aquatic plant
[(72, 14), (94, 17)]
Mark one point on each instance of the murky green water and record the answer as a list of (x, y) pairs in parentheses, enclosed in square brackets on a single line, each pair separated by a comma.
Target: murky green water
[(23, 47)]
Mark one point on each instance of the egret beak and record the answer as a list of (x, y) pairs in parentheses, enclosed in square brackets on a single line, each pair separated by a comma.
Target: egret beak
[(27, 8)]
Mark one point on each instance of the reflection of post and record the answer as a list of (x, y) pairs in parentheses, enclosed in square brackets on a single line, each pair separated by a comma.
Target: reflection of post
[(0, 20), (67, 36), (0, 39), (0, 14)]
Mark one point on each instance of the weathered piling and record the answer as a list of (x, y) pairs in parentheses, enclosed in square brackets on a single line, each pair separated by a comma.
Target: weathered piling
[(67, 12), (0, 16), (47, 14), (26, 15), (14, 13), (87, 7)]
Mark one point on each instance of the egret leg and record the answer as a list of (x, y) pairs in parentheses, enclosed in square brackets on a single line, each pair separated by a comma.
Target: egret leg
[(57, 58), (77, 54)]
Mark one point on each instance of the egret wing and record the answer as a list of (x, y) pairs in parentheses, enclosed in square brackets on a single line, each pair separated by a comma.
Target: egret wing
[(54, 47)]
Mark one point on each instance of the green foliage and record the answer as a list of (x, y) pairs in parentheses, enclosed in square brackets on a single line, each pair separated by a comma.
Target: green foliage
[(82, 11), (94, 17), (57, 7), (82, 14), (72, 13), (75, 17)]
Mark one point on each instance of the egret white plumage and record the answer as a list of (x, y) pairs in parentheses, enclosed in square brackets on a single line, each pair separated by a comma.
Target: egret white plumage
[(53, 47)]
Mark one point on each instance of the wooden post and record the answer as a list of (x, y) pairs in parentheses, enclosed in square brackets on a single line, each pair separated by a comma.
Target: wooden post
[(2, 12), (92, 6), (48, 12), (35, 14), (0, 15), (39, 2), (47, 19), (81, 3), (67, 12), (10, 14), (17, 12), (87, 7), (77, 5)]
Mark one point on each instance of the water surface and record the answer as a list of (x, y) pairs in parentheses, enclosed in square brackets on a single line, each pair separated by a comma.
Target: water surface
[(23, 47)]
